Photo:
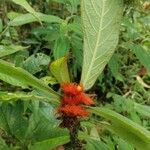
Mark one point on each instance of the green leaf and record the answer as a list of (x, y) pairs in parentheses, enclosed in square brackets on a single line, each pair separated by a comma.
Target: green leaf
[(135, 134), (50, 143), (101, 20), (36, 62), (6, 96), (123, 104), (44, 123), (12, 119), (29, 18), (95, 145), (28, 8), (4, 146), (114, 67), (59, 69), (61, 47), (7, 50), (142, 54), (94, 142), (75, 27), (19, 77), (142, 109), (1, 25)]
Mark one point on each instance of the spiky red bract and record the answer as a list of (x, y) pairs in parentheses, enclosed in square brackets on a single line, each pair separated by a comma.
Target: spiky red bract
[(73, 97), (73, 110), (71, 89)]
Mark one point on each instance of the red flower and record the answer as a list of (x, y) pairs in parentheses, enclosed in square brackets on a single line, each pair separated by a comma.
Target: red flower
[(73, 111), (73, 97), (71, 88)]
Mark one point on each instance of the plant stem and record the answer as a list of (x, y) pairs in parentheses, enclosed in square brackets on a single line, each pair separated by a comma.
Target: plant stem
[(73, 125)]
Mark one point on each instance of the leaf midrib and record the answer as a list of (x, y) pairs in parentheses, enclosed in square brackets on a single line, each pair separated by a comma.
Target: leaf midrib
[(96, 46)]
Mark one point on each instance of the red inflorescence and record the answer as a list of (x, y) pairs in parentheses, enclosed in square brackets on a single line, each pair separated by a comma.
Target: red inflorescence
[(73, 97)]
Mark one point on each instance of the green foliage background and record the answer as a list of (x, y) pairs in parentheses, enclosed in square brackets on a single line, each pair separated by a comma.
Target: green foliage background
[(32, 41)]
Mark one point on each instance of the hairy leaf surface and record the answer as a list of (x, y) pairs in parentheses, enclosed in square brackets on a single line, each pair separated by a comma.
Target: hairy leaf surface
[(101, 29)]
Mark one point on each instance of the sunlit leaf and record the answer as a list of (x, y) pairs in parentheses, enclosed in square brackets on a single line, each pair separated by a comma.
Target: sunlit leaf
[(59, 70)]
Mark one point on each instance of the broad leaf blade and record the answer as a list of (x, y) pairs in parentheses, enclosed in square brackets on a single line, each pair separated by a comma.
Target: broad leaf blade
[(101, 29), (19, 77), (136, 135), (59, 69)]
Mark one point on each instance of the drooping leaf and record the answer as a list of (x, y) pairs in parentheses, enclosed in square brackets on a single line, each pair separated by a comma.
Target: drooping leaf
[(59, 69), (19, 77), (29, 18), (101, 29), (28, 8), (135, 134), (7, 50)]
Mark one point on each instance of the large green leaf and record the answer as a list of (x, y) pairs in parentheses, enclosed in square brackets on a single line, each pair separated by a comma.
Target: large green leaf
[(29, 18), (28, 8), (101, 29), (19, 77), (136, 135), (59, 69)]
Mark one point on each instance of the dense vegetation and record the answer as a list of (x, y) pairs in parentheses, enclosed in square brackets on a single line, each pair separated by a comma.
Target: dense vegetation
[(102, 47)]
